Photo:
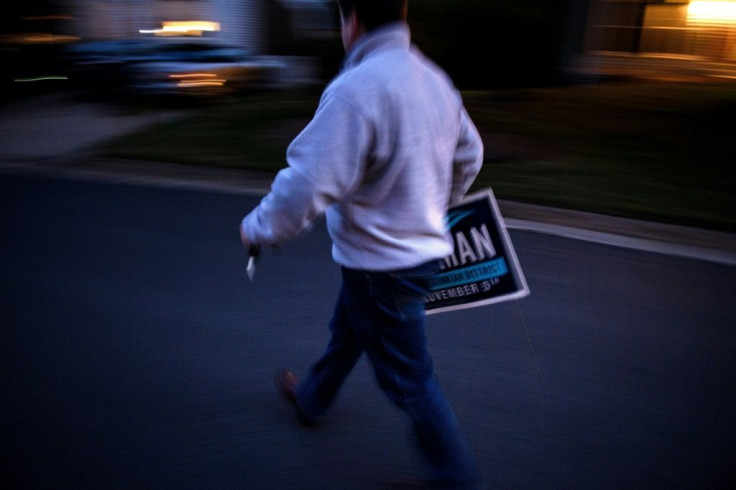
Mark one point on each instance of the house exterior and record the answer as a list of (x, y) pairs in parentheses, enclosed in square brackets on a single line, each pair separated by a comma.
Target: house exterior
[(695, 38), (239, 22), (601, 37)]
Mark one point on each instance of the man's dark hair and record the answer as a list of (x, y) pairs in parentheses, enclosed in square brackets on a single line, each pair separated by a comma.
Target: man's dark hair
[(374, 13)]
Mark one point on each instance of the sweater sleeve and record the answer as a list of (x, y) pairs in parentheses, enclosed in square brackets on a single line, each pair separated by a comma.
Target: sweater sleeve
[(468, 158), (325, 161)]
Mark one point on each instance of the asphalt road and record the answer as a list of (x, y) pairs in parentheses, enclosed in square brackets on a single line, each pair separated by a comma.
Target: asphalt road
[(136, 354)]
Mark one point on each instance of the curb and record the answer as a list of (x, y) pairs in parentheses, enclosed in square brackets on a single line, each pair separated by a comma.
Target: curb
[(701, 244)]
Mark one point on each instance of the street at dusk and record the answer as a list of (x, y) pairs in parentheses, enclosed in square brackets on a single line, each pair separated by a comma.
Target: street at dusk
[(136, 354)]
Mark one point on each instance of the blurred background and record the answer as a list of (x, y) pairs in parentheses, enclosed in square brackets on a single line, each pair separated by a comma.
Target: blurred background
[(481, 43), (610, 106)]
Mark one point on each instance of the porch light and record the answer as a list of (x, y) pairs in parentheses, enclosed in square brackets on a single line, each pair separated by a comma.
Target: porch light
[(712, 12)]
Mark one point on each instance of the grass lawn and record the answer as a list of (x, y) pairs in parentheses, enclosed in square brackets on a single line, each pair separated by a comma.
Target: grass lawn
[(650, 150)]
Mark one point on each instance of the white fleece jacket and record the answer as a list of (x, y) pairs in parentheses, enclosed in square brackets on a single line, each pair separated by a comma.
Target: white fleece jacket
[(389, 148)]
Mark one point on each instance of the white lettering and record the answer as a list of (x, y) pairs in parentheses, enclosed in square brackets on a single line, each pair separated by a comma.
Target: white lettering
[(451, 293), (482, 242), (463, 248), (479, 247)]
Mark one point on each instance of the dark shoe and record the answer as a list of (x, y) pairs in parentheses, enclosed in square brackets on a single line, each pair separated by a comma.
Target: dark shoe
[(287, 383)]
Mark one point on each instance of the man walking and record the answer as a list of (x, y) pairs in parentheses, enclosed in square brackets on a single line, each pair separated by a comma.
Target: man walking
[(390, 147)]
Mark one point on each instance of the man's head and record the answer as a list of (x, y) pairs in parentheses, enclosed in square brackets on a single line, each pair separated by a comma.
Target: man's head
[(361, 16), (374, 13)]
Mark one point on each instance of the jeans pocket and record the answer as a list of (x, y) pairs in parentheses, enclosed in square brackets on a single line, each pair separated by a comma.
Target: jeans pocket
[(409, 288)]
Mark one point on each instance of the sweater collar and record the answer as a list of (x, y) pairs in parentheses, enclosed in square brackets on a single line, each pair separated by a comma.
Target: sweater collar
[(391, 36)]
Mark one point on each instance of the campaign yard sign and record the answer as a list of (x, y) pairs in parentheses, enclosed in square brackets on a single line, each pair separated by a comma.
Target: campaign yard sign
[(483, 267)]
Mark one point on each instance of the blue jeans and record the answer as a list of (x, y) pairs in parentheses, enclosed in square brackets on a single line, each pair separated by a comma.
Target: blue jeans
[(382, 314)]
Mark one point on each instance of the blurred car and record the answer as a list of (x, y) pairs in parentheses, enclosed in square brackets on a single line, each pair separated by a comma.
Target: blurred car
[(162, 67), (198, 69)]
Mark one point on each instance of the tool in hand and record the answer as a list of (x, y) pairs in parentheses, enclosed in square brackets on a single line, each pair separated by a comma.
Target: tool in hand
[(253, 252)]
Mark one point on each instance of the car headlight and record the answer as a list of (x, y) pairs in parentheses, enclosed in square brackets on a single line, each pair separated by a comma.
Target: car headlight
[(197, 80)]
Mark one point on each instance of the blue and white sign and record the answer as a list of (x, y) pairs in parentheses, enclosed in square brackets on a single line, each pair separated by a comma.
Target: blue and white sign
[(483, 268)]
